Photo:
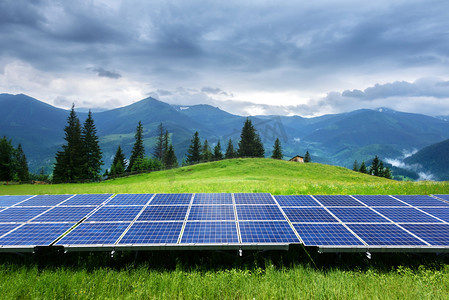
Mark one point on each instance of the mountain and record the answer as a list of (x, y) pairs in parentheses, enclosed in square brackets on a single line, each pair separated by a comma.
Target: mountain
[(433, 159), (337, 139)]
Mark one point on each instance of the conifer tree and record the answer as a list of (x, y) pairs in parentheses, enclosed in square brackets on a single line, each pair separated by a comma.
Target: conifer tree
[(138, 151), (230, 152), (277, 150), (381, 169), (374, 169), (92, 155), (160, 148), (307, 157), (217, 152), (22, 165), (363, 168), (355, 166), (6, 160), (206, 154), (194, 152), (69, 162), (170, 160), (387, 173), (250, 144), (118, 163)]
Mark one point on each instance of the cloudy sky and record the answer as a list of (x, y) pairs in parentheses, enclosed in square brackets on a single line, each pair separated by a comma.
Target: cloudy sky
[(248, 57)]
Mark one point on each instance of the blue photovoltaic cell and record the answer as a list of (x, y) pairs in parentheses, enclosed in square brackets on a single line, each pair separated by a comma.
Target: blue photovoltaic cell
[(164, 213), (87, 199), (308, 214), (65, 214), (253, 198), (115, 213), (326, 234), (210, 232), (35, 234), (434, 234), (259, 212), (11, 200), (419, 200), (171, 199), (94, 234), (439, 212), (379, 200), (21, 214), (384, 235), (357, 215), (212, 199), (406, 215), (444, 197), (45, 200), (267, 232), (212, 213), (130, 199), (5, 228), (298, 200), (337, 200), (153, 233)]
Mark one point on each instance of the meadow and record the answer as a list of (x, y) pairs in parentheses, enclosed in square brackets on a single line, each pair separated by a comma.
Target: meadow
[(295, 274)]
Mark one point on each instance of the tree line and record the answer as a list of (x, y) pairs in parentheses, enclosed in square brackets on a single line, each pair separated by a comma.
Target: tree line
[(13, 162), (376, 169)]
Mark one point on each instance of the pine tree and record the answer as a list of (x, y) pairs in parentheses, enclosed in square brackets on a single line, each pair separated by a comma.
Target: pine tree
[(355, 166), (387, 173), (118, 163), (69, 162), (22, 165), (7, 167), (381, 169), (170, 160), (374, 169), (160, 148), (206, 154), (92, 155), (277, 150), (217, 152), (138, 151), (307, 157), (250, 144), (363, 168), (194, 154), (230, 152)]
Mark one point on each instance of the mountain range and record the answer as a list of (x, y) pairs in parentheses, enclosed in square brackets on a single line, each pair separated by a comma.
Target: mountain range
[(337, 139)]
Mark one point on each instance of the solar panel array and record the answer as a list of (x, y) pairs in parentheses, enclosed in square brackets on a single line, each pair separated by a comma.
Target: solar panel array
[(225, 221)]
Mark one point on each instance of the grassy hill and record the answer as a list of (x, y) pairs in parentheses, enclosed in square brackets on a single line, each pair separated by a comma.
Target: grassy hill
[(244, 175)]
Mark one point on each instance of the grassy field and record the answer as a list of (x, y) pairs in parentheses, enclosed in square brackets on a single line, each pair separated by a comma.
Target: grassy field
[(295, 274)]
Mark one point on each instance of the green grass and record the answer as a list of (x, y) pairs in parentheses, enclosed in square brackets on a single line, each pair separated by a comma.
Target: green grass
[(293, 274), (244, 175)]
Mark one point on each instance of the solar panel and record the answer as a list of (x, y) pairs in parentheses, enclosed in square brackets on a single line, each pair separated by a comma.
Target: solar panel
[(94, 234), (87, 199), (267, 232), (357, 214), (259, 212), (5, 228), (171, 199), (212, 213), (65, 214), (130, 199), (35, 234), (326, 234), (406, 215), (115, 213), (152, 233), (299, 200), (164, 213), (212, 199), (434, 234), (337, 200), (12, 200), (444, 197), (384, 235), (308, 214), (20, 214), (210, 233), (379, 200), (420, 200), (253, 198), (45, 200), (440, 212)]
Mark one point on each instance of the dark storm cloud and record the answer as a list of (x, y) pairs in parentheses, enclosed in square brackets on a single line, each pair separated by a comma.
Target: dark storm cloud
[(105, 73)]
